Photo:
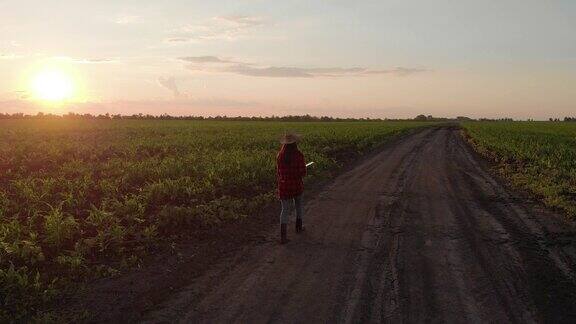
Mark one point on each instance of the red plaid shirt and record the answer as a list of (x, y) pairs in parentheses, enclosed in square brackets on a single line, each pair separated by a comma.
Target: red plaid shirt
[(290, 176)]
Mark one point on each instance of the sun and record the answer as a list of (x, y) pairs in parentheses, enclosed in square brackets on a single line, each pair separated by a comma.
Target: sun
[(52, 85)]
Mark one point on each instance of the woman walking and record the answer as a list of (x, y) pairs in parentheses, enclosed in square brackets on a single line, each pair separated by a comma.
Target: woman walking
[(290, 169)]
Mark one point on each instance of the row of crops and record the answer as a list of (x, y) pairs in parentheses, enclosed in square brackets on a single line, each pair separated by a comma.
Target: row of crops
[(537, 156), (85, 198)]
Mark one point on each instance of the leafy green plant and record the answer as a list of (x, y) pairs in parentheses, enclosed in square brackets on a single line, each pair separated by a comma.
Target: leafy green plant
[(537, 156), (22, 293), (87, 198), (59, 228)]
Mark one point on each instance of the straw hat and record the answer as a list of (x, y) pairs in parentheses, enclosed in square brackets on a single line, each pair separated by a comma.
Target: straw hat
[(289, 138)]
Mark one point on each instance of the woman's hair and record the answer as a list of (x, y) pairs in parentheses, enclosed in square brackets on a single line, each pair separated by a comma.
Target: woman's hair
[(289, 150)]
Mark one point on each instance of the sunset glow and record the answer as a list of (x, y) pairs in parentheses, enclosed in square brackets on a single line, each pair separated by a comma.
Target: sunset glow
[(52, 85), (378, 59)]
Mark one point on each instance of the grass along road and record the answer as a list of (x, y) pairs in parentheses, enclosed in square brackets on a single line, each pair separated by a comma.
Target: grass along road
[(536, 156)]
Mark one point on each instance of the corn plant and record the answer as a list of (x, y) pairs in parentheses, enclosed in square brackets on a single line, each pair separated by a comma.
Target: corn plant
[(537, 156), (83, 198)]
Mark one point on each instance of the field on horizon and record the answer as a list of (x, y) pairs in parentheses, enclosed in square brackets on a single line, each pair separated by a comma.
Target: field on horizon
[(86, 198)]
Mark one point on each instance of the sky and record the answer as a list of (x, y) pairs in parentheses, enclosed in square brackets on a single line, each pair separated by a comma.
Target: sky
[(380, 59)]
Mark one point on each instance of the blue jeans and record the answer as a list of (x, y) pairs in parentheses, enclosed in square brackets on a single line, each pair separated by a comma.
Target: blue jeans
[(288, 205)]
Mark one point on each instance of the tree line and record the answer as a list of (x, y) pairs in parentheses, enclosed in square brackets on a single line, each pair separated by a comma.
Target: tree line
[(566, 119), (188, 117), (300, 118)]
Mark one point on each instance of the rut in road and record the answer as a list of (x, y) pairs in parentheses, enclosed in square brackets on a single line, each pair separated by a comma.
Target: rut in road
[(419, 232)]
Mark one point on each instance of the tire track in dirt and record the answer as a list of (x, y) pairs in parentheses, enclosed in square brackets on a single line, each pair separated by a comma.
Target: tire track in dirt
[(420, 232)]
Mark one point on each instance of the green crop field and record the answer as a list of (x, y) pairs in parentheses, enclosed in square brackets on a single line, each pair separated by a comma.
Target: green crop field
[(76, 195), (537, 156)]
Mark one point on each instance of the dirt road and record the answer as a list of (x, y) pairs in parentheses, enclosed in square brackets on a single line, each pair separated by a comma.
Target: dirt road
[(420, 232)]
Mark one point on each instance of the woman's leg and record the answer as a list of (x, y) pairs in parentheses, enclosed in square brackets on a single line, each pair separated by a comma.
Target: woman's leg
[(285, 213), (298, 206), (299, 213), (286, 208)]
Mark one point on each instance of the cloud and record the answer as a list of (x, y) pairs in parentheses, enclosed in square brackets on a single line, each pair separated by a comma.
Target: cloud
[(217, 28), (93, 60), (83, 60), (4, 56), (22, 94), (400, 71), (127, 19), (242, 21), (74, 60), (205, 59), (5, 44), (170, 84), (177, 39), (220, 65), (8, 55), (272, 71), (7, 48)]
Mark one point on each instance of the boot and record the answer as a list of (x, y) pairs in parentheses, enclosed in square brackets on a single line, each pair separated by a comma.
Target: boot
[(283, 238), (299, 227)]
